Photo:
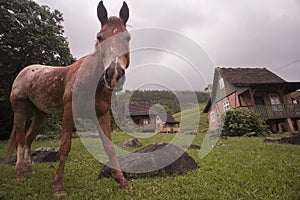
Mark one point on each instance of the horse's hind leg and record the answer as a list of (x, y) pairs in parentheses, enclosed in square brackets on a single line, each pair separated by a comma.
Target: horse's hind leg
[(36, 123), (21, 109)]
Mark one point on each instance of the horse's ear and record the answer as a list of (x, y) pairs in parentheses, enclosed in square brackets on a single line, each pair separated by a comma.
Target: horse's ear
[(124, 12), (102, 13)]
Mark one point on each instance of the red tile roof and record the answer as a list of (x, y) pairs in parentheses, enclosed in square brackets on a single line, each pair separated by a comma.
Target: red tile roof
[(247, 76)]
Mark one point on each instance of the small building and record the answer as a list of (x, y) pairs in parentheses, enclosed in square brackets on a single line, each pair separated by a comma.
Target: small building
[(257, 89), (148, 118)]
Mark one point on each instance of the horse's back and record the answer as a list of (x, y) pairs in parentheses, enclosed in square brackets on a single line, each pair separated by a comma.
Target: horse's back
[(42, 85)]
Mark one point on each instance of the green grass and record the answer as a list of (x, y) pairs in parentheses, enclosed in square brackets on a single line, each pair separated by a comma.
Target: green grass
[(246, 168), (194, 113)]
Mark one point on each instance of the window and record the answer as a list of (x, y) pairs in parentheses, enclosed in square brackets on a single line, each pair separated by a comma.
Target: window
[(275, 102), (274, 99), (146, 121), (221, 83), (226, 105), (212, 117)]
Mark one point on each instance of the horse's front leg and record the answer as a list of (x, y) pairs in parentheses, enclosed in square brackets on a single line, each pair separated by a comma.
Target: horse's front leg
[(64, 149), (104, 122)]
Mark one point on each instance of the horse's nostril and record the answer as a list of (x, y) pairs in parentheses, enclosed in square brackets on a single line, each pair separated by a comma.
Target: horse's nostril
[(114, 75), (109, 73), (121, 72)]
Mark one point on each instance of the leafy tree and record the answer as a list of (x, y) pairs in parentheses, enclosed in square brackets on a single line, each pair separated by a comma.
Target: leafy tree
[(29, 34), (240, 122)]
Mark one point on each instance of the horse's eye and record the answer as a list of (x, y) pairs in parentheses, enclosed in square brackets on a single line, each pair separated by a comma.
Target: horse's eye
[(127, 36), (99, 38)]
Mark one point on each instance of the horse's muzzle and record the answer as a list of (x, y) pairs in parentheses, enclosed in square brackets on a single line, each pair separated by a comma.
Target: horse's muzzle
[(114, 77)]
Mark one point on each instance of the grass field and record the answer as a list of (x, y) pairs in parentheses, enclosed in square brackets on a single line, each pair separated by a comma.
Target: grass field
[(246, 168), (192, 116)]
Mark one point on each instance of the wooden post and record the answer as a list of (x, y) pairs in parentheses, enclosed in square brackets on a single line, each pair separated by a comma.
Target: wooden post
[(298, 125), (252, 97), (279, 128), (289, 125), (274, 128)]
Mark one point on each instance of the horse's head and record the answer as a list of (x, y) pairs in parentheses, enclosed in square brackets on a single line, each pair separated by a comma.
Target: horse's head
[(114, 40)]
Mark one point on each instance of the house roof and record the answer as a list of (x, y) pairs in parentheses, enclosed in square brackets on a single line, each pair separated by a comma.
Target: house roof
[(248, 76), (138, 109), (245, 77), (143, 109), (170, 119)]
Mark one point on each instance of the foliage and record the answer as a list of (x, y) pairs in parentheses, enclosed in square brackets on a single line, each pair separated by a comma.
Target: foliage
[(240, 122), (246, 168), (29, 34)]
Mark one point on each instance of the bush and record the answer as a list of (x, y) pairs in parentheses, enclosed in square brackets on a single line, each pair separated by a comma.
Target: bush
[(242, 122)]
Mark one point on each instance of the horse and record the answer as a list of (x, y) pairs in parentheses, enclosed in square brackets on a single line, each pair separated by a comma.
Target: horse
[(43, 90)]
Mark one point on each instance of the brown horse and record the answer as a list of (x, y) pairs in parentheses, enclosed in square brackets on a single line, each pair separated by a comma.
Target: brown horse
[(45, 90)]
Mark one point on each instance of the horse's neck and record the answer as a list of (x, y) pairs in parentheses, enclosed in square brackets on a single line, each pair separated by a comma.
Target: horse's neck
[(102, 90), (90, 77)]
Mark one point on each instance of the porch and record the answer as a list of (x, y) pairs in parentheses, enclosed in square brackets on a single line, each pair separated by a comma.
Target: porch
[(289, 114), (279, 111)]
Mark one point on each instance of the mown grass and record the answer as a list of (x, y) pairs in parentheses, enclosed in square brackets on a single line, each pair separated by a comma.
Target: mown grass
[(192, 115), (246, 168)]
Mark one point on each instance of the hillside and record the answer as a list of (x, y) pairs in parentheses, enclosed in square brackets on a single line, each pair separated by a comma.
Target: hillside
[(192, 114)]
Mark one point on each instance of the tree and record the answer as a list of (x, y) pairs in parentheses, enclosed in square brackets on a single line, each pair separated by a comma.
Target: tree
[(29, 34)]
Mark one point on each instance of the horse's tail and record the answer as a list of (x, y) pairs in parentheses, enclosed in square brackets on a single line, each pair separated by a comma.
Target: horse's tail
[(11, 143)]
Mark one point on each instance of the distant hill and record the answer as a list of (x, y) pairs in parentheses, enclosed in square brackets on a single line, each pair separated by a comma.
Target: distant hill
[(168, 99)]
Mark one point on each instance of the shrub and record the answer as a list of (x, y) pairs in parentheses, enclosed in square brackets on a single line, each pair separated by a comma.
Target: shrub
[(242, 122)]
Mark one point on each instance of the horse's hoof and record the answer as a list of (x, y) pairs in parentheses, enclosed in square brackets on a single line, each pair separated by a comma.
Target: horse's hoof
[(124, 185), (21, 178), (28, 168), (22, 170), (21, 175), (59, 191)]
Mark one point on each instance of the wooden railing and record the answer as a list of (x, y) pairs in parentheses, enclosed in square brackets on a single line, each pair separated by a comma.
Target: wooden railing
[(279, 111), (169, 130)]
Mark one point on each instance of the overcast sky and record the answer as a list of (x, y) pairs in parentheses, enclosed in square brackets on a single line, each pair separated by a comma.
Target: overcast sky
[(263, 33)]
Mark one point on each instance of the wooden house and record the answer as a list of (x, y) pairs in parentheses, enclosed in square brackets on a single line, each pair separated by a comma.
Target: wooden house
[(149, 119), (257, 89)]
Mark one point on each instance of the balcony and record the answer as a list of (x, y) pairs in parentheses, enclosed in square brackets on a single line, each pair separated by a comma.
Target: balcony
[(279, 111)]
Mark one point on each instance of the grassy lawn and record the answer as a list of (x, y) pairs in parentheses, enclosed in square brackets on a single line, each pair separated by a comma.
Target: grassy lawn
[(191, 114), (246, 168)]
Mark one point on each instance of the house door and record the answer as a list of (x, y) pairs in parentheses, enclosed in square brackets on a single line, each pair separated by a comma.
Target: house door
[(259, 100)]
